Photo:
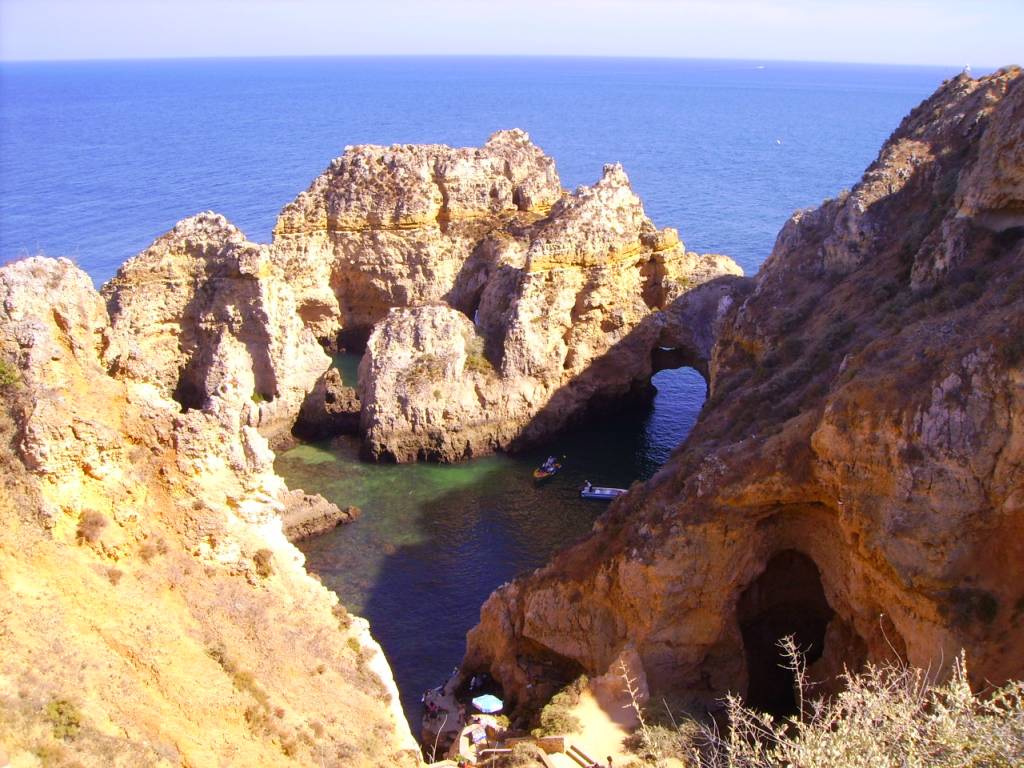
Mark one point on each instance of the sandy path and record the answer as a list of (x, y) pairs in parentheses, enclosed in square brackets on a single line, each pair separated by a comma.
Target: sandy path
[(605, 724)]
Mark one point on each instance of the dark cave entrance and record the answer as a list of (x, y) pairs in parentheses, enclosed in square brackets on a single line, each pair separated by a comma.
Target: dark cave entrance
[(786, 599)]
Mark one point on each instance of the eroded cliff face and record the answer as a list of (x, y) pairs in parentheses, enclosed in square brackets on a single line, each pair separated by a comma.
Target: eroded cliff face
[(388, 227), (565, 318), (857, 475), (153, 611), (502, 308), (208, 319)]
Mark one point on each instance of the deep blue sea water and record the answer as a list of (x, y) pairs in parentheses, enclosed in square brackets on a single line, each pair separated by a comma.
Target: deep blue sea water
[(98, 159)]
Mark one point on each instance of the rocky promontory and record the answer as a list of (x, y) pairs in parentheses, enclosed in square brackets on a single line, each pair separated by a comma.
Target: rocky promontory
[(207, 318), (565, 319), (856, 478), (387, 227)]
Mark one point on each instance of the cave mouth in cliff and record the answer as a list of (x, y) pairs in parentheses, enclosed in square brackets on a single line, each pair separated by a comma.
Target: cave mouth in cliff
[(786, 599), (188, 393)]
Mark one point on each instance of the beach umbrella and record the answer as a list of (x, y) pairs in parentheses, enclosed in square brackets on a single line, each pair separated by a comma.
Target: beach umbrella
[(488, 703)]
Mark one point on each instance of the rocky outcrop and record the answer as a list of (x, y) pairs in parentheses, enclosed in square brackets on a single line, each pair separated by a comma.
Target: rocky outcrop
[(310, 514), (396, 226), (153, 611), (209, 319), (566, 320), (857, 476), (330, 409), (559, 290)]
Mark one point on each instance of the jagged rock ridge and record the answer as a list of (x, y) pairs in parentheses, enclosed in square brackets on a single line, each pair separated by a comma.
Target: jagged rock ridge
[(451, 257), (567, 319), (857, 475)]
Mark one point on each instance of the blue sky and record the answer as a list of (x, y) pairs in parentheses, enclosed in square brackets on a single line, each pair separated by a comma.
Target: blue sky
[(977, 32)]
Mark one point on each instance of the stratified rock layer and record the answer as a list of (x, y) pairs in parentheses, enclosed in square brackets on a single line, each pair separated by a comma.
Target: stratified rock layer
[(388, 227), (153, 613), (565, 320), (206, 317), (857, 475)]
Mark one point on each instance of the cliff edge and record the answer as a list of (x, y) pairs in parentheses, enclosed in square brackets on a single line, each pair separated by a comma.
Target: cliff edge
[(856, 477), (153, 612)]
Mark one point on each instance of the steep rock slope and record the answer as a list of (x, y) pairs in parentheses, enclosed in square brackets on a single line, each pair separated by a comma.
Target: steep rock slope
[(566, 320), (153, 612), (857, 475)]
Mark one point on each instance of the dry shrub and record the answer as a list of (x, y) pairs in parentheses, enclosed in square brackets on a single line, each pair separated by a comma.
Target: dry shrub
[(264, 562), (556, 717), (343, 616), (9, 375), (524, 755), (91, 526), (153, 547), (889, 716), (476, 359), (65, 719)]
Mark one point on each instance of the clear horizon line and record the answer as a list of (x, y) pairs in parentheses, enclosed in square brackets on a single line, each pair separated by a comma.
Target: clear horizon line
[(263, 57)]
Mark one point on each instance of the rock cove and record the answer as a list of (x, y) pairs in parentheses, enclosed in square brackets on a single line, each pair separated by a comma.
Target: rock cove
[(856, 476)]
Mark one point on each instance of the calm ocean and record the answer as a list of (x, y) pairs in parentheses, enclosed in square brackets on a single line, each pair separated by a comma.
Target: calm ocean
[(98, 159)]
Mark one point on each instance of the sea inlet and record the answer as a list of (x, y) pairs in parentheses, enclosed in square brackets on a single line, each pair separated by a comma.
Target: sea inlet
[(435, 540)]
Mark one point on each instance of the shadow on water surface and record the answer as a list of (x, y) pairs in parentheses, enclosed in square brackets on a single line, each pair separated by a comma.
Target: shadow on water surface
[(434, 541)]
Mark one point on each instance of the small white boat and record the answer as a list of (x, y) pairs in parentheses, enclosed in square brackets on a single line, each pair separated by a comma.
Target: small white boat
[(600, 493)]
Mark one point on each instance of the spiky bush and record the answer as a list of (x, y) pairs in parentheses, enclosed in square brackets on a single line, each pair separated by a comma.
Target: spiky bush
[(888, 716)]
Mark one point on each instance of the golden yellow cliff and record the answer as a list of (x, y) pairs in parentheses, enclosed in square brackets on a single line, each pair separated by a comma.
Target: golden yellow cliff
[(153, 612)]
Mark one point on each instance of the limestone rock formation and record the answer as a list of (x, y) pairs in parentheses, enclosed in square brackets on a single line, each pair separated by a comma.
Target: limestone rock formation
[(330, 409), (207, 317), (565, 321), (857, 475), (309, 514), (559, 289), (153, 613), (387, 227)]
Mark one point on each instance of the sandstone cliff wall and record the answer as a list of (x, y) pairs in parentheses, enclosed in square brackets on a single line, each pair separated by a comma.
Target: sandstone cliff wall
[(388, 227), (153, 612), (560, 292), (567, 320), (207, 318), (857, 475)]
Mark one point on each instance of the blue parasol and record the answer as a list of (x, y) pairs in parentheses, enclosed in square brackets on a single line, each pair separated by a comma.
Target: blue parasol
[(488, 704)]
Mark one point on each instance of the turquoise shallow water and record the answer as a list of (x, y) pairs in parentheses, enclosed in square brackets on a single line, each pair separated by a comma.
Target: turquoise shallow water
[(434, 541)]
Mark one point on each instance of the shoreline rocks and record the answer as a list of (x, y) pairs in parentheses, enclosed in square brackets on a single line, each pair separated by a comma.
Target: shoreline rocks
[(310, 514), (857, 475)]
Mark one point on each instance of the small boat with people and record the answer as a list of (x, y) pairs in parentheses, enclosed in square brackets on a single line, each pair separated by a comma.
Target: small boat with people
[(549, 468), (599, 493)]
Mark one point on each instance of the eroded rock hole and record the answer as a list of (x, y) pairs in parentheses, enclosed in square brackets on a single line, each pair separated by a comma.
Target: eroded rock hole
[(189, 392), (787, 599), (668, 358)]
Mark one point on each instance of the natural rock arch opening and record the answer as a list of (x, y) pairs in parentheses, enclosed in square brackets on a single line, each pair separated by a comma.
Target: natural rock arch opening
[(786, 599), (674, 397), (668, 358)]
